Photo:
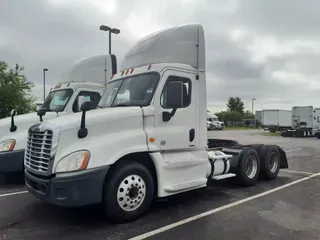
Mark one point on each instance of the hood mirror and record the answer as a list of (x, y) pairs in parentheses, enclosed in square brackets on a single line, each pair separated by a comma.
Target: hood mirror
[(13, 127)]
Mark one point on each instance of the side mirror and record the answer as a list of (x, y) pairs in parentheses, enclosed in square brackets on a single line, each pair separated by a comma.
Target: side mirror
[(86, 106), (175, 94), (83, 131), (13, 127), (174, 99), (41, 112)]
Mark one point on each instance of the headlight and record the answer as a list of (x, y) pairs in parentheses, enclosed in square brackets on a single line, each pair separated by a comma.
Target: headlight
[(74, 162), (7, 145)]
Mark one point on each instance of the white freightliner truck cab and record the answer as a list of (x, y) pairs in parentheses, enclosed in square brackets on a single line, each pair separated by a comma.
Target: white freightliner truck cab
[(214, 123), (85, 80), (151, 144)]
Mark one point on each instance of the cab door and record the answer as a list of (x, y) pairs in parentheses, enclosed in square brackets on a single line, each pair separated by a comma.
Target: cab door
[(181, 131)]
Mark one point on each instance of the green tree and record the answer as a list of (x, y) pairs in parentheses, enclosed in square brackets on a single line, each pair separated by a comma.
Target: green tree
[(248, 115), (231, 116), (15, 91), (235, 104)]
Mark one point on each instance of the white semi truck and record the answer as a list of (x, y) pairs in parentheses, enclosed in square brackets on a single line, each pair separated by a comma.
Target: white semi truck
[(125, 154), (86, 79), (305, 122), (276, 119), (213, 122)]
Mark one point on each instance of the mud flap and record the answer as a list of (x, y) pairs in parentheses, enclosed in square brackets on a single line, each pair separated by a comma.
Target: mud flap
[(283, 158)]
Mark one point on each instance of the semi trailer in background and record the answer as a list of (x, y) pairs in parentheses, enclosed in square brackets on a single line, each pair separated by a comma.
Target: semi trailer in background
[(276, 120)]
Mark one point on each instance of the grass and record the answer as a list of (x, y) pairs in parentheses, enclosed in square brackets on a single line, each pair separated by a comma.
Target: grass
[(274, 134), (238, 128)]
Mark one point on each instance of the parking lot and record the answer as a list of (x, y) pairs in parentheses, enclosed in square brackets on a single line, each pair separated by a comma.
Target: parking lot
[(286, 208)]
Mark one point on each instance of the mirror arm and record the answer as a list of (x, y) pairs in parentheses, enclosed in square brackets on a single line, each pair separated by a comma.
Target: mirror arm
[(13, 128), (166, 116), (173, 112), (83, 131)]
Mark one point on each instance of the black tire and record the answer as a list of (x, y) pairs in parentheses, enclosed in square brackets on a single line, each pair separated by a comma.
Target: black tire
[(257, 147), (213, 127), (110, 202), (269, 168), (241, 173)]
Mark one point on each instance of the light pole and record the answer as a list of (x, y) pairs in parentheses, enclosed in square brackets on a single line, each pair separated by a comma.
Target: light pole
[(252, 111), (44, 83), (261, 114), (110, 30)]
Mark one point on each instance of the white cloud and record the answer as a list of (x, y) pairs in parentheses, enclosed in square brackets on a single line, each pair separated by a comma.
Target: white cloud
[(253, 48)]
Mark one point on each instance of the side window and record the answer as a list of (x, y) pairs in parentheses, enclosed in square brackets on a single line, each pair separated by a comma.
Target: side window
[(186, 91), (94, 97)]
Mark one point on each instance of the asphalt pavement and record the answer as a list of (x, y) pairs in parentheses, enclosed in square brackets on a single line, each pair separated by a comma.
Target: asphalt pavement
[(286, 208)]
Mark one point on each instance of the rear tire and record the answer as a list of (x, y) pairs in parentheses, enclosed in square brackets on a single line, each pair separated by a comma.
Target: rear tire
[(257, 147), (270, 162), (248, 168), (128, 192)]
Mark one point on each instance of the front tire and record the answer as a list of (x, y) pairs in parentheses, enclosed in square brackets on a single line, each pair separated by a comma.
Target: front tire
[(128, 192)]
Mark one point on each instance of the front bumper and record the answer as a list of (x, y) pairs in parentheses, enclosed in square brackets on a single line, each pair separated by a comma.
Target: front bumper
[(12, 161), (85, 188)]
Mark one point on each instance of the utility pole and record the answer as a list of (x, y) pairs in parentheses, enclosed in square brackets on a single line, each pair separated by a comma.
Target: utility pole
[(44, 84), (252, 111)]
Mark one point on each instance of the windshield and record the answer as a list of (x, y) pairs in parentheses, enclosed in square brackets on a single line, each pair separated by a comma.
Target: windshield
[(57, 100), (131, 91)]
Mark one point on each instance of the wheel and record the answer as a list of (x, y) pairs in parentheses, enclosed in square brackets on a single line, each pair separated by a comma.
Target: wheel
[(270, 162), (257, 147), (248, 168), (213, 127), (128, 192)]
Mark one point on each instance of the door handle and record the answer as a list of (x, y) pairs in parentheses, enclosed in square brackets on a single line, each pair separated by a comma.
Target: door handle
[(191, 134)]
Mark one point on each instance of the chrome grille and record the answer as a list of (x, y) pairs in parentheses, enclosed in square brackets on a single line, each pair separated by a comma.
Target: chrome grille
[(38, 150)]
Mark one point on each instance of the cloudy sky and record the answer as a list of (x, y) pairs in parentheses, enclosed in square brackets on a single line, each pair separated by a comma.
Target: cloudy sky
[(263, 49)]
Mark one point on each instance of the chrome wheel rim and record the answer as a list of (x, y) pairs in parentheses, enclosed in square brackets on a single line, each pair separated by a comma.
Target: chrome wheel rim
[(131, 192), (251, 167), (273, 163)]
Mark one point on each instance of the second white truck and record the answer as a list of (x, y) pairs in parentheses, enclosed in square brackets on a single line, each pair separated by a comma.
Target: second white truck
[(305, 122), (147, 140), (276, 119), (86, 79), (214, 123)]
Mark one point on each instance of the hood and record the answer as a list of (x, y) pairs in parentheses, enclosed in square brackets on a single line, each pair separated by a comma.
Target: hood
[(96, 116), (23, 122)]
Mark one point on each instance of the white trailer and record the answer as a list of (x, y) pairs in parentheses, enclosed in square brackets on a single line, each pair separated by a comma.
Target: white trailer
[(276, 119), (305, 122), (125, 154), (87, 78)]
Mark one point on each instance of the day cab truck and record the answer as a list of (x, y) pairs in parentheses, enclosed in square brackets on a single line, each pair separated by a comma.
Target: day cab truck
[(305, 122), (214, 123), (86, 79), (151, 144)]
